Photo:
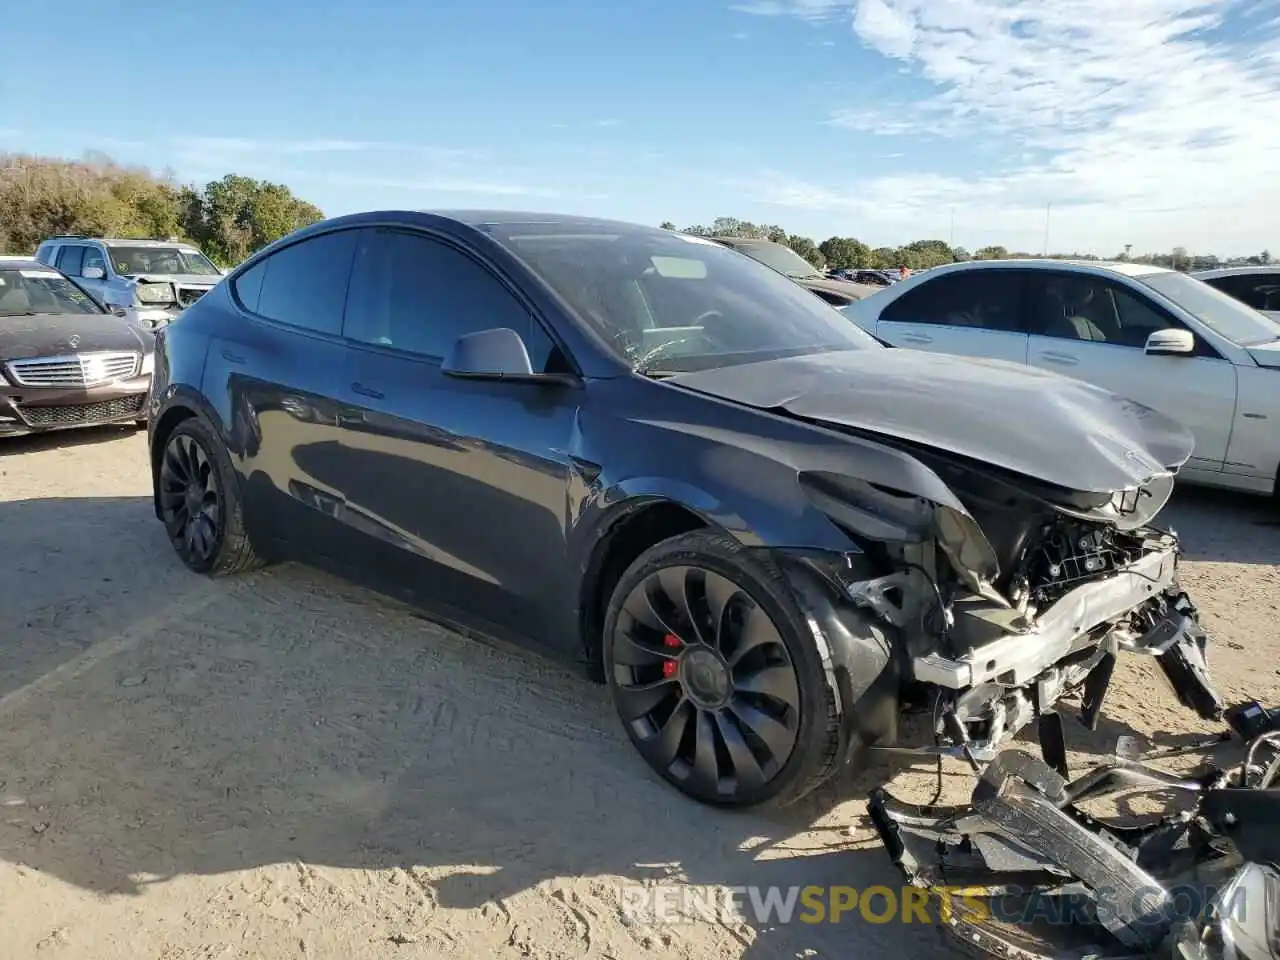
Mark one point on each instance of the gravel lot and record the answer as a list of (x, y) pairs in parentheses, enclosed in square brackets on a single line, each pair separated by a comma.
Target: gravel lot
[(287, 766)]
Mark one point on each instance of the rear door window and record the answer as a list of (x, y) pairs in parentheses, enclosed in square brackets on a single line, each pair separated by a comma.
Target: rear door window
[(984, 299), (305, 284)]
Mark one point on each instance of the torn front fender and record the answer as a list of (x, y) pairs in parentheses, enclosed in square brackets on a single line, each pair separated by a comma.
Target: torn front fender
[(862, 659)]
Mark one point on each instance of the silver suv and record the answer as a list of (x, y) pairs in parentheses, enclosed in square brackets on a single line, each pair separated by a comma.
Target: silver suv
[(148, 281)]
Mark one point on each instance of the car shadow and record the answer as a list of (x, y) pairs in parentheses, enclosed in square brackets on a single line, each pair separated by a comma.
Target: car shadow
[(56, 439), (1220, 526), (167, 725)]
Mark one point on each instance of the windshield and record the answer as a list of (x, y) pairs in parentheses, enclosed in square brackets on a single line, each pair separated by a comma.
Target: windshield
[(162, 260), (1221, 312), (783, 259), (26, 292), (675, 303)]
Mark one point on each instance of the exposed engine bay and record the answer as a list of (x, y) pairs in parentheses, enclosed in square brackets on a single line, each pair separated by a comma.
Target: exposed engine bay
[(1025, 871), (1018, 596)]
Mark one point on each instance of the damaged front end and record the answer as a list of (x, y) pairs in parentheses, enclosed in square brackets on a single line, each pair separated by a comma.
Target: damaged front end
[(1024, 871), (1009, 596)]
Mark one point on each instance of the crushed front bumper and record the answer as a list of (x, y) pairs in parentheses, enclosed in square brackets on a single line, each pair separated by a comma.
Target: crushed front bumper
[(35, 409), (1021, 666), (1023, 872)]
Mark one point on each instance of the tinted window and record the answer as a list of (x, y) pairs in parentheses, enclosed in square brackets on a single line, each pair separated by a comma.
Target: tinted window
[(1259, 290), (419, 295), (1081, 306), (987, 299), (69, 260), (248, 286), (305, 284)]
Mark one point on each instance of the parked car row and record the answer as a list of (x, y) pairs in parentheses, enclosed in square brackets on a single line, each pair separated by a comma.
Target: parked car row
[(76, 324), (148, 281)]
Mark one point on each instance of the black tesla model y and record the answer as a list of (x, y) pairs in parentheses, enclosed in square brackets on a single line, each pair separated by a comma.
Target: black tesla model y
[(769, 534)]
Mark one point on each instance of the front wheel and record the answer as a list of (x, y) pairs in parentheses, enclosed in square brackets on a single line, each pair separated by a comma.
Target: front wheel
[(200, 502), (715, 675)]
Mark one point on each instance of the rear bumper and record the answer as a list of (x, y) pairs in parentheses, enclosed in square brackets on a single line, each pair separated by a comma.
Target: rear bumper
[(35, 409)]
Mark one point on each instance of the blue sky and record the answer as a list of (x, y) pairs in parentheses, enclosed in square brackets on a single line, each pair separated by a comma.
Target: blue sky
[(1151, 122)]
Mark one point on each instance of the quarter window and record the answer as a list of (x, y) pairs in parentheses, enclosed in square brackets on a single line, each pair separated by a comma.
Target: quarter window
[(413, 293), (986, 299), (304, 285)]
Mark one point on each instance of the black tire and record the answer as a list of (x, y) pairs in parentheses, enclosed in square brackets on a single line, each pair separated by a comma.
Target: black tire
[(200, 502), (727, 721)]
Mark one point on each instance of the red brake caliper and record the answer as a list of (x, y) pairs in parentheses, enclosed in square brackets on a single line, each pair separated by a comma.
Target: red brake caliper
[(669, 667)]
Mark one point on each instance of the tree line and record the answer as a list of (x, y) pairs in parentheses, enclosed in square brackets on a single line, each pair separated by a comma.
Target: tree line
[(228, 219), (846, 253)]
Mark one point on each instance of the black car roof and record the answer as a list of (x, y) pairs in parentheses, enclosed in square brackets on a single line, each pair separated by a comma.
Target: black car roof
[(478, 218)]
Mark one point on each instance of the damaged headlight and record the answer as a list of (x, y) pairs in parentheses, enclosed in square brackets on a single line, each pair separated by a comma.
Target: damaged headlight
[(155, 294)]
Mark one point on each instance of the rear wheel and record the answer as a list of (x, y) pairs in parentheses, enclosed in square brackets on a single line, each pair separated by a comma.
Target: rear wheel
[(200, 502), (715, 676)]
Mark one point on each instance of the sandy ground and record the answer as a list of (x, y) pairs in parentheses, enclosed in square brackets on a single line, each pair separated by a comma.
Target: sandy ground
[(286, 766)]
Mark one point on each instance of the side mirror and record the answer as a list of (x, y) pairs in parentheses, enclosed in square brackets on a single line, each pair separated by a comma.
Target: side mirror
[(1171, 342), (119, 312), (497, 354)]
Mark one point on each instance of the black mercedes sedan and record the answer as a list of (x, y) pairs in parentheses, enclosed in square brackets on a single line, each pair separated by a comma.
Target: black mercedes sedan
[(767, 533), (65, 361)]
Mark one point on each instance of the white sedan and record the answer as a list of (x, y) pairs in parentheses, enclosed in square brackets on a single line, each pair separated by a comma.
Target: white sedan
[(1154, 335)]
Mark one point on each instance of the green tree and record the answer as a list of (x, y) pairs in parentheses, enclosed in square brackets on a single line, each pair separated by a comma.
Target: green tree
[(807, 249), (230, 218), (237, 215), (845, 253), (929, 253), (991, 253), (666, 225)]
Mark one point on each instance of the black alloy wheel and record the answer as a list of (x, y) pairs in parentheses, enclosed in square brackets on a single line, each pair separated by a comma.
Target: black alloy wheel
[(200, 502), (711, 687), (190, 500)]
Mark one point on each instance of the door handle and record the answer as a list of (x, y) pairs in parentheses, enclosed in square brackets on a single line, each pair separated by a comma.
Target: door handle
[(916, 338), (230, 357), (364, 391), (1065, 359)]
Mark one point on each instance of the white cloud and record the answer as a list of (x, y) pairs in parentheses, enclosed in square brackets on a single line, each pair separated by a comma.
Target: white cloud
[(1147, 123)]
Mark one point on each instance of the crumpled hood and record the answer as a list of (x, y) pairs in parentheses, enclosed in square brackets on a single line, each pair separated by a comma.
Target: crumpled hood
[(49, 335), (1039, 424)]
